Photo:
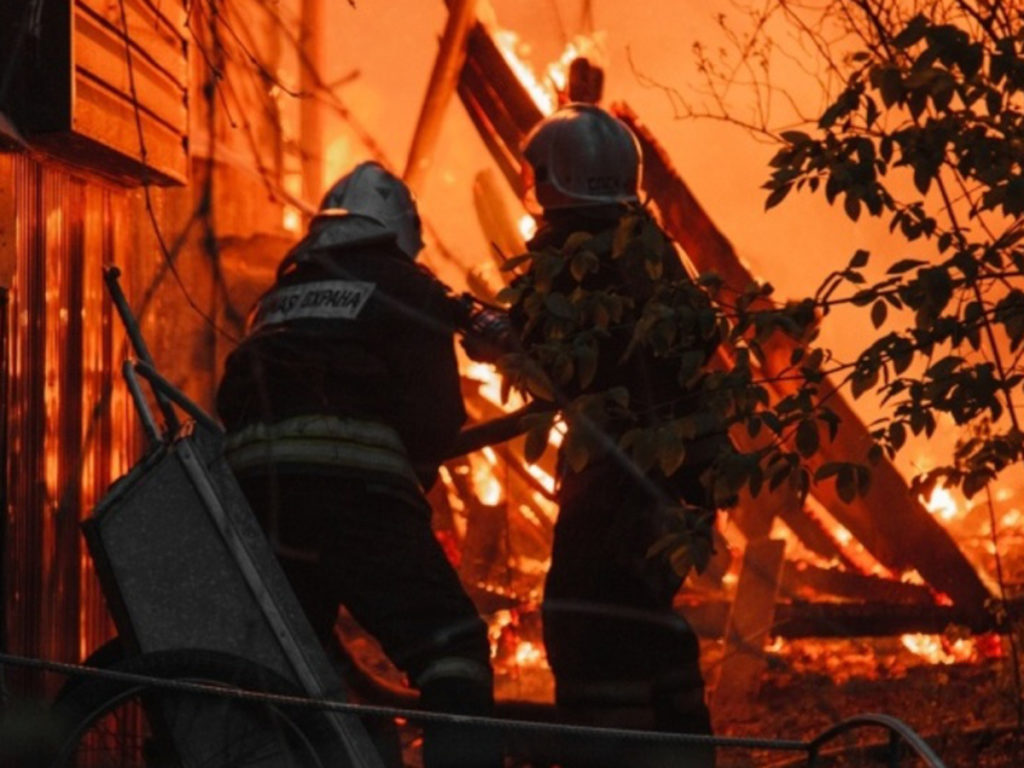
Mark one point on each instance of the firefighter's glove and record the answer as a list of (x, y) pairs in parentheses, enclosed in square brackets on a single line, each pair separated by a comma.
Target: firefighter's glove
[(488, 335)]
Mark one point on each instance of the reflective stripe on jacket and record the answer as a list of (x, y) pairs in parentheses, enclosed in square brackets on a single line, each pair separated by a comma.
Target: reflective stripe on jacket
[(365, 447)]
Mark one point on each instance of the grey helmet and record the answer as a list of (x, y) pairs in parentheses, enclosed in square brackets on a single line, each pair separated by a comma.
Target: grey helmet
[(368, 203), (581, 156)]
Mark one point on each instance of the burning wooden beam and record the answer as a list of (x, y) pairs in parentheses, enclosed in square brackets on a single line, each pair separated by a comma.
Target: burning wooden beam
[(803, 579), (443, 79)]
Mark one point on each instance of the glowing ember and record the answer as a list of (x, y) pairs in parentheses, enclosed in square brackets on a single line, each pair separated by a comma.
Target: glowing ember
[(528, 654), (291, 220), (508, 646), (936, 649), (527, 226), (941, 503), (485, 484), (546, 480), (912, 577), (842, 535), (490, 385)]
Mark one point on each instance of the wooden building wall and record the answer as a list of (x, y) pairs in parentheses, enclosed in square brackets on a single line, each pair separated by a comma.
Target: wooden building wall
[(68, 428)]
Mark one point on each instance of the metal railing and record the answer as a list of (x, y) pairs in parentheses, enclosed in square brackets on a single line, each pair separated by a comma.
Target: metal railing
[(901, 735)]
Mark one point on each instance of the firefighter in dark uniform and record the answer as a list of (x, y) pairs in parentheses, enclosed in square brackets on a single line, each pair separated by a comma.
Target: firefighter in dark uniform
[(340, 404), (620, 655)]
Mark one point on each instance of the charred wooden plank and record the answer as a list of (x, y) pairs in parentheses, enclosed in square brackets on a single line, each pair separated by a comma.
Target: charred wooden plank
[(849, 619), (507, 161), (798, 578), (750, 621), (484, 52), (491, 102)]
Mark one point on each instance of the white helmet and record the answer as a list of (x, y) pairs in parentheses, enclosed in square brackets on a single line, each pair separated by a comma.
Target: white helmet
[(365, 204), (581, 156)]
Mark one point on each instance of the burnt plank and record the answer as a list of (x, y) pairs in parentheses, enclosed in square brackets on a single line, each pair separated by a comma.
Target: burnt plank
[(750, 622)]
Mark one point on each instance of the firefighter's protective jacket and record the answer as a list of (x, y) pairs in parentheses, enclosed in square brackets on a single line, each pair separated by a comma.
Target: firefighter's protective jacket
[(348, 367), (650, 381)]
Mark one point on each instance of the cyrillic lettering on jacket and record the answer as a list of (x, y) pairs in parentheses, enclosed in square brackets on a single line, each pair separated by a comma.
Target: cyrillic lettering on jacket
[(321, 300)]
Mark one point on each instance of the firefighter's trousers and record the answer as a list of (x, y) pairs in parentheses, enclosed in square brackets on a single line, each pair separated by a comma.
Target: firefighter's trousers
[(620, 655), (341, 541)]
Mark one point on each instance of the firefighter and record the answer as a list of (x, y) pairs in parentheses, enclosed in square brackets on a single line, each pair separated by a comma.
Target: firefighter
[(340, 404), (620, 655)]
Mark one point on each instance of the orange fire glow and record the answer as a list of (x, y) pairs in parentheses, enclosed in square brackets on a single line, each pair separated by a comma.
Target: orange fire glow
[(941, 504)]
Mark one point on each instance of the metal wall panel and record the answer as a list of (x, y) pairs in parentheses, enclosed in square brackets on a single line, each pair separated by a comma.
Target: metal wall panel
[(69, 430)]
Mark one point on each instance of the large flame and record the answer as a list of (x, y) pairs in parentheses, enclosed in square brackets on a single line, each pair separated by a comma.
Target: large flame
[(547, 89)]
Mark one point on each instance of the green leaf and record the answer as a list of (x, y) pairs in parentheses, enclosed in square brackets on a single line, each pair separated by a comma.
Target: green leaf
[(846, 484), (904, 265), (944, 367), (796, 137), (583, 262), (860, 259), (509, 295), (537, 381), (851, 204), (623, 234), (619, 396), (575, 241), (559, 306), (878, 313), (827, 470), (575, 450), (913, 32), (807, 437), (777, 196), (671, 451), (511, 263), (586, 363), (897, 435), (536, 442)]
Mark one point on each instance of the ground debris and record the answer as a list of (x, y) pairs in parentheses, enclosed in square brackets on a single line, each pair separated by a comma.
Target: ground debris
[(965, 710)]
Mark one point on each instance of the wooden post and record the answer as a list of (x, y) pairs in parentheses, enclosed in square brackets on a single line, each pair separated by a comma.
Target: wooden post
[(310, 110), (750, 621), (443, 79)]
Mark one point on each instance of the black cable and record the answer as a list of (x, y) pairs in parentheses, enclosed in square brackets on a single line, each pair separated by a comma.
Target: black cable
[(169, 258)]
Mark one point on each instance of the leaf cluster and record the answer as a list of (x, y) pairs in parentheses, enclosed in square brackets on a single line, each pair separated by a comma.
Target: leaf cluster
[(597, 308), (935, 101)]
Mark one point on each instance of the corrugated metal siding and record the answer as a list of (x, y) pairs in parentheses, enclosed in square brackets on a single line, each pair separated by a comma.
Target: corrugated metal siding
[(70, 432), (26, 499)]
